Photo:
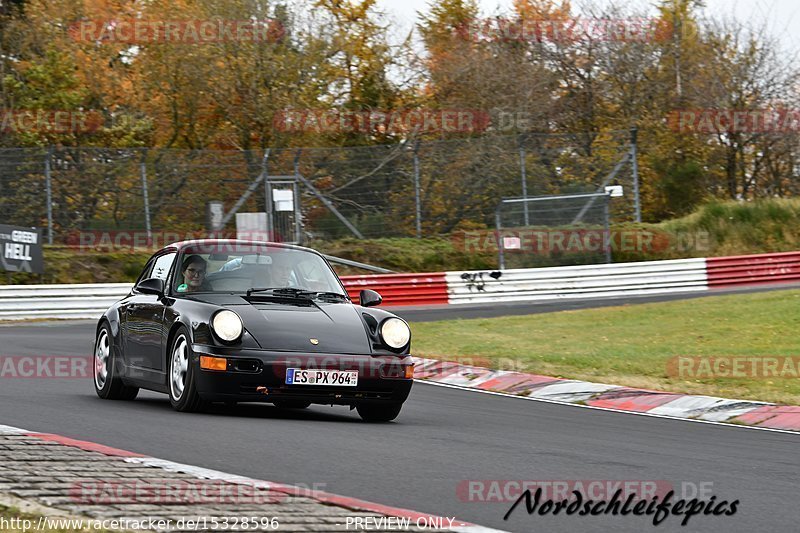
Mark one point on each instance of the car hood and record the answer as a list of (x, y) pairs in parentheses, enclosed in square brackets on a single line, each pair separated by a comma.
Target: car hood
[(290, 324)]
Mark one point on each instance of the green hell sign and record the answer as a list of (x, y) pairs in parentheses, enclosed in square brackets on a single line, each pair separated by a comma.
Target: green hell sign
[(21, 249)]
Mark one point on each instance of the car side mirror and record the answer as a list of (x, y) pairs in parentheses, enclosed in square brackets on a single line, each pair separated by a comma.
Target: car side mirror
[(151, 286), (368, 298)]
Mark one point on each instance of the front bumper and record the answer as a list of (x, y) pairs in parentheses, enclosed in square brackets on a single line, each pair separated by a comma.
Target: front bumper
[(260, 376)]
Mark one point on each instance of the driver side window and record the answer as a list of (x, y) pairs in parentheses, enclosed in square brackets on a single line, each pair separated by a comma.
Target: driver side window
[(161, 267), (145, 272)]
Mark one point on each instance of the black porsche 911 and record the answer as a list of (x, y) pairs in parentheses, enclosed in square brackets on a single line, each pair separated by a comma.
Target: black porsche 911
[(242, 321)]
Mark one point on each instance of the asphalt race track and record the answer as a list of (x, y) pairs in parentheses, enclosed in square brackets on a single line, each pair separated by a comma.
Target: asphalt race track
[(443, 438)]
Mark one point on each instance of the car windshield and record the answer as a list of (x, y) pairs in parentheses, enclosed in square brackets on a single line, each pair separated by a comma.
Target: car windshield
[(239, 268)]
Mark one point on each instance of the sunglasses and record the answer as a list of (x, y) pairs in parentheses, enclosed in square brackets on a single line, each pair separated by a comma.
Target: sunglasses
[(195, 272)]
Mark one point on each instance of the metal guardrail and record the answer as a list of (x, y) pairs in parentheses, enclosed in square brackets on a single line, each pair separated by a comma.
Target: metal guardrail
[(753, 269), (19, 302), (401, 289), (585, 281), (23, 302)]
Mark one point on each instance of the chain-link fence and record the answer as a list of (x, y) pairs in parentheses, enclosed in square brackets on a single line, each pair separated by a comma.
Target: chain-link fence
[(566, 229), (414, 189)]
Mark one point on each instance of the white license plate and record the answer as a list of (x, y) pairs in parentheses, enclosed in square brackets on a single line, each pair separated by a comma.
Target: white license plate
[(331, 378)]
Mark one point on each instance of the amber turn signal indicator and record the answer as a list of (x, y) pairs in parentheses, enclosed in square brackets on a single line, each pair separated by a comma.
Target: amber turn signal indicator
[(410, 372), (213, 363)]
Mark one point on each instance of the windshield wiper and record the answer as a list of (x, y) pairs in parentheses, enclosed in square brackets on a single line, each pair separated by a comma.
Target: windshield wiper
[(331, 295), (295, 292), (291, 291)]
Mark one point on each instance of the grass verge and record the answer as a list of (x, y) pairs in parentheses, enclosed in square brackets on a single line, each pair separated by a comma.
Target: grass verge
[(632, 345)]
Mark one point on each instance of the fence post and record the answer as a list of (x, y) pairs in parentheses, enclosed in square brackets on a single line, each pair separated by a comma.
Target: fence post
[(298, 235), (635, 162), (49, 187), (609, 238), (417, 199), (523, 173), (243, 198), (500, 254), (268, 196), (145, 196)]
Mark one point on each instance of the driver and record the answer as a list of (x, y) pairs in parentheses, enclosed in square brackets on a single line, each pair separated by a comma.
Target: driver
[(194, 269), (281, 270)]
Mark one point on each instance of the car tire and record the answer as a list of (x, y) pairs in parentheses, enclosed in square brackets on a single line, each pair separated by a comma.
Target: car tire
[(181, 385), (107, 374), (371, 412), (291, 404)]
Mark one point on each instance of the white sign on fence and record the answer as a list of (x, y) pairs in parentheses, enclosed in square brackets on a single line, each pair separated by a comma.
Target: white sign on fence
[(512, 243), (284, 199)]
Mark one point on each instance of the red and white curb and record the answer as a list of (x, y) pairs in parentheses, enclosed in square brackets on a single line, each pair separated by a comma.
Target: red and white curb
[(205, 473), (611, 397)]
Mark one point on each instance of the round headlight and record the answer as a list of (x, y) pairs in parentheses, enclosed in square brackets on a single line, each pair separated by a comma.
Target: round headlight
[(395, 333), (227, 325)]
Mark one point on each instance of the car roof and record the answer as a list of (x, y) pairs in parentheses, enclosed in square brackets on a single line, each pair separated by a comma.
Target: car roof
[(180, 245)]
